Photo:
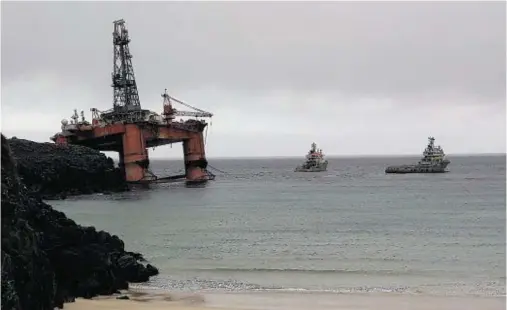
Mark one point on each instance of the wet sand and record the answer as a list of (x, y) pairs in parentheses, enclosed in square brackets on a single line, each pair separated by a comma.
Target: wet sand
[(278, 301)]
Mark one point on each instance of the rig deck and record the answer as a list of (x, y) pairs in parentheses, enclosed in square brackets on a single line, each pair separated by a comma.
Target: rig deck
[(130, 130)]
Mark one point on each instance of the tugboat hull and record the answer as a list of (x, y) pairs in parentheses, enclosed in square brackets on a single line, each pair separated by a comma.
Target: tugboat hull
[(311, 169), (442, 168)]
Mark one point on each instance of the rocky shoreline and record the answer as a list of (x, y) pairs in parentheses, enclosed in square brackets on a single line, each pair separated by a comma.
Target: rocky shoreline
[(57, 171), (48, 259)]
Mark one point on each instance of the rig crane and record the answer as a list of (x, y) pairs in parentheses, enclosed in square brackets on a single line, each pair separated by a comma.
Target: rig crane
[(170, 112), (126, 104)]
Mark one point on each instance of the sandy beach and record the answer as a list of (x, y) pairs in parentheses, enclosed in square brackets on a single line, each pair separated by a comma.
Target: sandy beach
[(278, 301)]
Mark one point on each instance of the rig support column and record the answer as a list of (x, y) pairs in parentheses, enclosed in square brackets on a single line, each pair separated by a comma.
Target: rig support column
[(135, 157), (121, 163), (195, 159)]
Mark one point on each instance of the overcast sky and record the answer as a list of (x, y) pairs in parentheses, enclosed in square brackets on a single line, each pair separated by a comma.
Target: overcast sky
[(355, 77)]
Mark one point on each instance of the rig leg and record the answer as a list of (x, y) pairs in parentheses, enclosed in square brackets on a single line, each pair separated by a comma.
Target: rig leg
[(135, 157), (195, 159), (121, 158)]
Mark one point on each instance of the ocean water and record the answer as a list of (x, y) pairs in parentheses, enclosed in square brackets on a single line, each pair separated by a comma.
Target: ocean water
[(261, 226)]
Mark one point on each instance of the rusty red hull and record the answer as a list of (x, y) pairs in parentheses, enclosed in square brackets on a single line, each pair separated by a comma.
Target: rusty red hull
[(132, 141)]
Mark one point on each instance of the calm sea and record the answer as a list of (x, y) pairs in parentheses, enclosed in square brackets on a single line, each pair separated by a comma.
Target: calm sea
[(261, 226)]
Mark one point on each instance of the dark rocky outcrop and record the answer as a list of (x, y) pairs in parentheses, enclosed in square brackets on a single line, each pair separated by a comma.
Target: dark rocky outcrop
[(56, 171), (48, 259)]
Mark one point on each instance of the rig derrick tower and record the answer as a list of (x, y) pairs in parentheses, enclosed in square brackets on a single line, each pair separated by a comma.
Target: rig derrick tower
[(126, 97), (126, 103), (130, 130)]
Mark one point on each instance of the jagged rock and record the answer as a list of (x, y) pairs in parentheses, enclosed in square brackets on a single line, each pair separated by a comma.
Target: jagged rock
[(48, 259), (57, 171)]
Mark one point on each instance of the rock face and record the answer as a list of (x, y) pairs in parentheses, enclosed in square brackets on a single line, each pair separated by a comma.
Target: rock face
[(56, 171), (48, 259)]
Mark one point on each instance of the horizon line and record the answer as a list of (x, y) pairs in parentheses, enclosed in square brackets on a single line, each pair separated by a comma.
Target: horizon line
[(336, 156)]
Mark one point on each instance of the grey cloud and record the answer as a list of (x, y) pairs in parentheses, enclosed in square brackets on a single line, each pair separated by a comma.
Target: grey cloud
[(356, 77), (377, 48)]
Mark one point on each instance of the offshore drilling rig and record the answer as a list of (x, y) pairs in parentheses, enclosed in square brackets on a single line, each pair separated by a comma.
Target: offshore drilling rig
[(130, 130)]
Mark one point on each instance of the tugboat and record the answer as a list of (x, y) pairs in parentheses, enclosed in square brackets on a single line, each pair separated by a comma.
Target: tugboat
[(315, 161), (433, 161)]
